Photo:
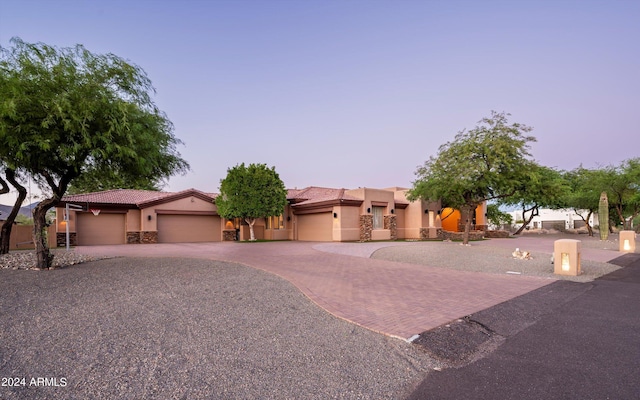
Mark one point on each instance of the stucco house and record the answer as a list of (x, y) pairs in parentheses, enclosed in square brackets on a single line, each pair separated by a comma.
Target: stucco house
[(312, 214)]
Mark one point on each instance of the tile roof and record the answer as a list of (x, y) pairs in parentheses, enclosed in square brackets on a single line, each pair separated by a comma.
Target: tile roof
[(128, 196), (315, 194)]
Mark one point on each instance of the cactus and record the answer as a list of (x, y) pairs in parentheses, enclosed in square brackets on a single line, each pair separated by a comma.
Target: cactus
[(603, 216)]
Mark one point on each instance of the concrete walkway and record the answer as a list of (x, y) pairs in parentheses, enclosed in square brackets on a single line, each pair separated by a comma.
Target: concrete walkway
[(395, 299)]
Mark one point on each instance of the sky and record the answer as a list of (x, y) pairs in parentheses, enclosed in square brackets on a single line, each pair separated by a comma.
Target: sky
[(353, 93)]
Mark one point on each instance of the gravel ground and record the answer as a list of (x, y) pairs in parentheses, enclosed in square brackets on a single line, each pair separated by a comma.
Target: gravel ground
[(27, 259), (491, 259), (187, 329)]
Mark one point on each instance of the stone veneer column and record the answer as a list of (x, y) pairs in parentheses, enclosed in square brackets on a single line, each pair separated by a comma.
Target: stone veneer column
[(228, 235), (133, 237), (366, 226), (149, 237), (61, 239), (390, 223)]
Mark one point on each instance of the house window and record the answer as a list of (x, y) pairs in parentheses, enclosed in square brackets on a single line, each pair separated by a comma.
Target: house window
[(378, 217), (274, 222)]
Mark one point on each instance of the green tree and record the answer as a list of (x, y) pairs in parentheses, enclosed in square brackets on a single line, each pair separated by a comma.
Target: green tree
[(485, 163), (542, 187), (64, 111), (498, 217), (251, 192), (622, 185), (106, 178), (583, 196)]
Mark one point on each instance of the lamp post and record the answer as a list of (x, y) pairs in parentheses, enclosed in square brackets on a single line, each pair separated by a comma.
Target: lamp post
[(66, 219)]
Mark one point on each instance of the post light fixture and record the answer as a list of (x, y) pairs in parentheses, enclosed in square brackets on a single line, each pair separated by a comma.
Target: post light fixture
[(627, 241), (566, 257)]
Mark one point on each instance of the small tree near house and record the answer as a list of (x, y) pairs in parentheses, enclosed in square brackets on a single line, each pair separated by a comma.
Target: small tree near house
[(251, 192)]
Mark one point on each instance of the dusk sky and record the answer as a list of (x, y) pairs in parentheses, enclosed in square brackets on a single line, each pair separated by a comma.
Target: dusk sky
[(359, 93)]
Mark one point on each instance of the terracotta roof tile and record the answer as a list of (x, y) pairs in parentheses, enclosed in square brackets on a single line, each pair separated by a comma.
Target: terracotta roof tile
[(315, 194), (128, 196), (116, 196)]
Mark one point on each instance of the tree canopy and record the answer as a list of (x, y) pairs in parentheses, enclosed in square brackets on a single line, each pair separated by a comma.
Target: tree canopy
[(485, 163), (541, 187), (66, 111), (622, 184), (251, 192)]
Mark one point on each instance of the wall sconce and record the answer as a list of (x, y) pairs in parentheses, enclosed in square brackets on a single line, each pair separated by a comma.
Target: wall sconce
[(368, 210), (438, 212), (335, 215), (393, 211), (288, 217), (426, 211), (149, 217)]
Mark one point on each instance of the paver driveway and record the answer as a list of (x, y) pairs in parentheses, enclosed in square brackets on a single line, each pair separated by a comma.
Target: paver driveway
[(396, 299)]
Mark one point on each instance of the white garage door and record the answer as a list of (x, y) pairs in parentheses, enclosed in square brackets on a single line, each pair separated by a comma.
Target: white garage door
[(315, 227), (188, 228), (100, 229)]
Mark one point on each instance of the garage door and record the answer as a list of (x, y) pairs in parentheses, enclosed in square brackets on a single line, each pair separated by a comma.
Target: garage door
[(315, 227), (104, 228), (188, 228)]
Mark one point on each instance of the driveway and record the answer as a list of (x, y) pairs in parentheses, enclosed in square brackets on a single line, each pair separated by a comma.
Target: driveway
[(393, 298)]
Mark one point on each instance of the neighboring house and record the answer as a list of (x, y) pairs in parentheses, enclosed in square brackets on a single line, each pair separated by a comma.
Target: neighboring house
[(556, 219), (312, 214)]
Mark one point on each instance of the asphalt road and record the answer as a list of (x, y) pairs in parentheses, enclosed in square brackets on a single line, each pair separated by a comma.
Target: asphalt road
[(564, 341)]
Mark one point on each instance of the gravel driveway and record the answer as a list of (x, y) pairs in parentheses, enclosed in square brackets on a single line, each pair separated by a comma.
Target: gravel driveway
[(141, 328)]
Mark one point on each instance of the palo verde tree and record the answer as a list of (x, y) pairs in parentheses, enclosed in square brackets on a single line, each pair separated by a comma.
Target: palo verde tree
[(583, 194), (622, 185), (107, 178), (251, 192), (541, 187), (497, 217), (64, 111), (485, 163)]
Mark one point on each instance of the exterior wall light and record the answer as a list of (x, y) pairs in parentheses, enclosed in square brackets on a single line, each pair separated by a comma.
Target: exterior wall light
[(149, 217), (426, 211), (335, 215), (368, 210), (393, 211)]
